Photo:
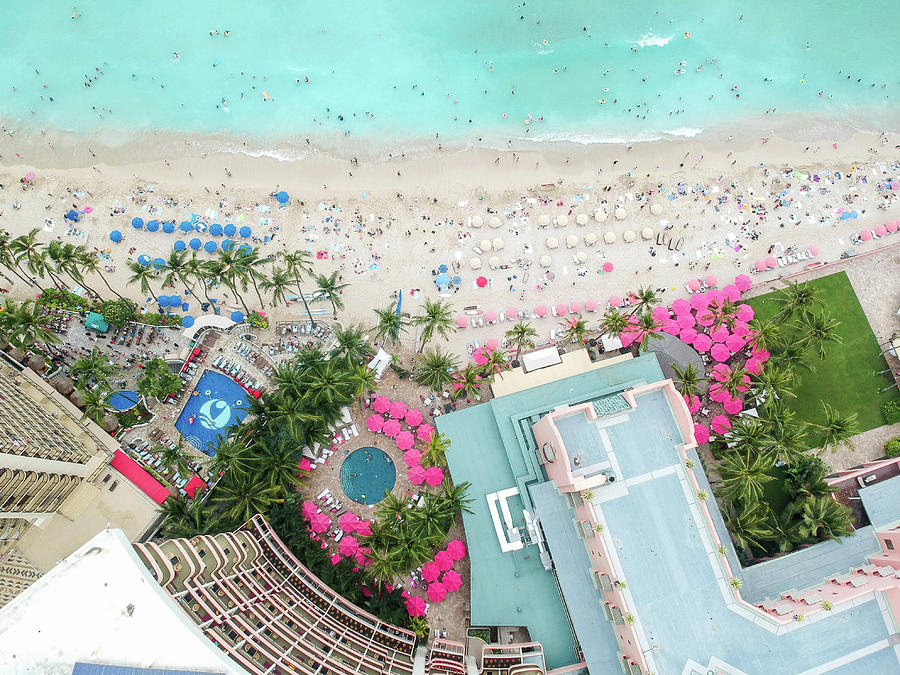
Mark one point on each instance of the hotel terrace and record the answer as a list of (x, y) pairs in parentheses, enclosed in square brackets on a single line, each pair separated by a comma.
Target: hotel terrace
[(642, 577)]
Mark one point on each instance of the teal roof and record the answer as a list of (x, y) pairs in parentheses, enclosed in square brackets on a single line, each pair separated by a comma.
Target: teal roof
[(97, 322), (882, 502)]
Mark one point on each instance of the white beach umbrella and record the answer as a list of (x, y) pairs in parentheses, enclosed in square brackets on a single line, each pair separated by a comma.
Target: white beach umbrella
[(629, 236), (485, 245), (620, 213), (610, 237), (552, 242), (581, 219), (590, 239), (475, 263), (477, 221), (494, 262), (543, 220), (600, 215), (647, 233), (494, 222), (656, 209), (571, 241), (562, 221), (581, 256), (498, 244), (545, 261)]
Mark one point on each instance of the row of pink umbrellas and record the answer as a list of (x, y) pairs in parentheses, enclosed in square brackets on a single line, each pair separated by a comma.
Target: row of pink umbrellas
[(880, 231), (418, 474), (392, 429), (438, 584), (397, 410), (771, 262)]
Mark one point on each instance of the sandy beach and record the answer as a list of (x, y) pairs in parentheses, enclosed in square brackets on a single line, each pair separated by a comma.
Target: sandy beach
[(385, 223)]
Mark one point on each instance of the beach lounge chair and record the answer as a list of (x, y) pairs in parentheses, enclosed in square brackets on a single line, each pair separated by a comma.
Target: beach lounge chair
[(354, 431)]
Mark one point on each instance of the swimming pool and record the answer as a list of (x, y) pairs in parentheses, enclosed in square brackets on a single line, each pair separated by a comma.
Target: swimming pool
[(367, 474), (219, 402), (123, 400)]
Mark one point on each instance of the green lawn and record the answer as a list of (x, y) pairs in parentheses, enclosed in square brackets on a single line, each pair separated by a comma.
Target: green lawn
[(846, 378)]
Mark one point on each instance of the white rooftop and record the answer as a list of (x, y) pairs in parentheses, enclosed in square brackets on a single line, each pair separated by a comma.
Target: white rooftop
[(102, 605)]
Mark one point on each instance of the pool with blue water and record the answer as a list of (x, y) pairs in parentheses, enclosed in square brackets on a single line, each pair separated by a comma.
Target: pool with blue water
[(366, 474), (216, 403)]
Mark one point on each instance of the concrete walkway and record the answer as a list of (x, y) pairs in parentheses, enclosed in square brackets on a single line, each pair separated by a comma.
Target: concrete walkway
[(869, 446)]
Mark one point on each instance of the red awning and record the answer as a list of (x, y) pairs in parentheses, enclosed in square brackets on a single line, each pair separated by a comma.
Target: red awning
[(143, 480), (194, 484)]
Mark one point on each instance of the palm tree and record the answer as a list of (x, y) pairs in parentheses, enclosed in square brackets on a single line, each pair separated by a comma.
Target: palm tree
[(427, 521), (774, 383), (766, 334), (235, 457), (744, 476), (27, 248), (93, 367), (331, 289), (384, 566), (825, 517), (736, 382), (838, 429), (278, 281), (89, 261), (647, 300), (177, 267), (228, 268), (24, 325), (466, 382), (789, 437), (574, 330), (749, 525), (95, 403), (351, 343), (243, 497), (688, 380), (252, 263), (434, 451), (280, 464), (391, 509), (495, 363), (363, 378), (143, 276), (391, 324), (455, 497), (792, 356), (64, 261), (648, 328), (188, 520), (299, 263), (175, 458), (199, 270), (435, 317), (614, 322), (816, 330), (435, 370), (797, 298), (521, 335), (8, 256), (750, 435)]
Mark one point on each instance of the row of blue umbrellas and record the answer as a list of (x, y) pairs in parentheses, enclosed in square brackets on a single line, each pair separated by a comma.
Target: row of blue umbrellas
[(195, 244), (188, 321), (216, 230)]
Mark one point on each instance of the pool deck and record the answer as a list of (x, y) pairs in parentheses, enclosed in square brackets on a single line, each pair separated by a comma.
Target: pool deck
[(193, 404)]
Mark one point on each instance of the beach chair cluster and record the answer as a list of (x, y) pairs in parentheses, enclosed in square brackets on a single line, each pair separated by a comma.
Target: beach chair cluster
[(296, 336), (236, 368), (145, 453)]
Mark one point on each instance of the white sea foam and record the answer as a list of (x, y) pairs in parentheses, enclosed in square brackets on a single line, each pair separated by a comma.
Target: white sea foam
[(651, 40), (685, 132), (281, 154)]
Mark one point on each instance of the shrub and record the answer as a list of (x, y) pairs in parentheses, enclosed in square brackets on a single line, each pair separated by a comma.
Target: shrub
[(722, 550), (258, 320), (159, 319), (892, 447), (702, 495), (891, 411), (55, 298), (736, 583), (827, 605), (118, 312)]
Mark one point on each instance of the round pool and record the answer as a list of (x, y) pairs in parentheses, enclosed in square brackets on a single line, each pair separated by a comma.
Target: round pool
[(123, 400), (367, 474)]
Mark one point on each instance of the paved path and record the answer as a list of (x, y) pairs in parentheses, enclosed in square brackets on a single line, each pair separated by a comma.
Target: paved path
[(869, 446)]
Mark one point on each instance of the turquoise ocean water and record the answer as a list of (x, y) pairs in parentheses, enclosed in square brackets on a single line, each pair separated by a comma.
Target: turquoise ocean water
[(468, 70)]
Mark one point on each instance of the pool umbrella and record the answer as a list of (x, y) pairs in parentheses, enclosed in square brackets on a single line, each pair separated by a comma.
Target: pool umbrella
[(699, 301), (415, 606), (115, 236), (719, 352), (743, 282), (461, 322), (575, 307), (591, 306), (412, 457), (720, 424), (660, 313), (374, 423), (686, 321), (416, 475), (152, 225), (541, 310), (490, 316), (413, 417), (561, 309), (608, 266), (308, 509), (210, 247), (187, 321), (744, 313), (693, 402), (349, 545), (760, 265), (159, 263), (706, 318), (443, 560), (720, 372), (230, 230), (734, 343), (382, 404), (319, 522), (734, 406), (456, 549), (434, 475), (364, 528), (753, 366), (348, 523), (481, 282), (615, 300), (305, 465), (694, 284), (237, 317), (335, 559), (361, 558), (437, 592), (711, 280), (245, 231), (688, 335), (215, 230), (451, 580), (180, 245), (391, 428), (424, 432), (137, 223), (430, 572), (405, 440), (731, 293), (771, 262), (703, 343), (719, 334), (195, 243), (282, 197), (398, 410), (168, 227), (701, 433)]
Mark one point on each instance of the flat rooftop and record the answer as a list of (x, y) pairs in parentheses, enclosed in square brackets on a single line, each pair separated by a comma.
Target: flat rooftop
[(882, 502)]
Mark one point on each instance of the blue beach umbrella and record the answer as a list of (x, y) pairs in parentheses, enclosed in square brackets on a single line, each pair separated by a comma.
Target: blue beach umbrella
[(227, 245), (244, 249), (210, 247), (137, 223), (159, 263), (230, 230), (116, 236), (245, 231), (215, 230), (144, 260), (457, 280), (180, 245), (72, 215), (163, 300), (200, 226), (237, 317), (442, 280), (185, 226), (185, 306), (195, 243), (187, 321), (282, 197), (152, 225), (442, 269), (168, 227)]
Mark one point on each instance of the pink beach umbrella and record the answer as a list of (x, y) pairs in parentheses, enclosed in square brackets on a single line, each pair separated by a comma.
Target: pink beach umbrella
[(561, 309), (491, 345), (615, 301), (671, 327), (490, 316), (760, 265), (813, 251), (771, 262), (699, 301), (349, 545), (591, 306), (720, 424), (305, 464), (413, 417), (714, 295), (744, 313), (891, 228), (424, 432), (681, 307), (660, 313), (706, 318), (415, 606), (361, 557), (382, 404), (693, 402), (743, 282), (416, 474), (711, 280), (319, 522), (703, 343), (753, 366), (481, 282), (443, 560), (734, 343), (480, 357), (731, 292), (375, 423), (881, 230), (701, 433), (718, 393), (434, 475), (398, 410), (720, 372), (608, 267), (541, 310), (719, 352), (865, 235), (348, 523), (456, 549), (575, 307), (430, 571), (335, 559), (694, 284), (308, 509), (462, 321), (437, 592), (719, 334), (391, 428), (734, 406), (686, 321), (364, 528), (688, 335), (512, 313), (761, 355), (451, 580), (405, 440)]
